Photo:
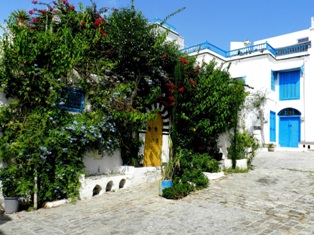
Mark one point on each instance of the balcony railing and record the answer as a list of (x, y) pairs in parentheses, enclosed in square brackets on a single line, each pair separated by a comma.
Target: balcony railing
[(293, 49), (250, 49)]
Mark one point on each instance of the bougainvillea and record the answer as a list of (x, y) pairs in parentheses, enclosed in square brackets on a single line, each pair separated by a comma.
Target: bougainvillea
[(118, 68)]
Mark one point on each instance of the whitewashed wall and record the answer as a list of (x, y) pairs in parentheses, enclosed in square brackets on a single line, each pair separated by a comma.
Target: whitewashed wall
[(257, 68)]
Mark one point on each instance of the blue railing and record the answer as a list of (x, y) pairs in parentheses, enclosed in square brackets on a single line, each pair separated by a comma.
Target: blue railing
[(157, 20), (249, 50), (293, 49), (203, 46)]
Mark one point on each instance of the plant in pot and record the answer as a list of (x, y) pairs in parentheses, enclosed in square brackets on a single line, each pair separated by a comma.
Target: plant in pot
[(271, 147), (166, 173), (9, 188)]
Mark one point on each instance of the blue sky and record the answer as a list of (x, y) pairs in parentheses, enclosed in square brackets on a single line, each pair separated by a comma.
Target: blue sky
[(215, 21)]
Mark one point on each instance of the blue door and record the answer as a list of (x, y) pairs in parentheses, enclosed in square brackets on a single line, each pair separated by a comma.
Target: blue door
[(272, 126), (289, 131)]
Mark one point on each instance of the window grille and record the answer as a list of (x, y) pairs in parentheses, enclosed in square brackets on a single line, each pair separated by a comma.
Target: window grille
[(71, 100)]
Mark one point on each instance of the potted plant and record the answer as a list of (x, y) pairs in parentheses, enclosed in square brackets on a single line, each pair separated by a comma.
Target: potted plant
[(166, 173), (9, 189), (271, 147)]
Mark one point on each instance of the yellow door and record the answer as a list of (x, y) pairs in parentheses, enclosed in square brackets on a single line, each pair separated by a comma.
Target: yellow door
[(153, 142)]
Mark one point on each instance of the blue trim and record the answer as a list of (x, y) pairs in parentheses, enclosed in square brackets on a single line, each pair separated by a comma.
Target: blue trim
[(159, 21), (71, 100), (273, 80)]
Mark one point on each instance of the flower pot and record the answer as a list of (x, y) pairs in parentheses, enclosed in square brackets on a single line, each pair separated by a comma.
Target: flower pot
[(164, 184), (11, 205), (271, 149)]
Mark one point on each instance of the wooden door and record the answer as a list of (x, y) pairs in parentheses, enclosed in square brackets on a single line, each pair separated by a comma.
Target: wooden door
[(153, 142)]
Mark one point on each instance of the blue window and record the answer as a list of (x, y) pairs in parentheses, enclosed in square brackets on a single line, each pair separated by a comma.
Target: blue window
[(241, 78), (71, 100), (273, 80), (289, 85), (272, 127)]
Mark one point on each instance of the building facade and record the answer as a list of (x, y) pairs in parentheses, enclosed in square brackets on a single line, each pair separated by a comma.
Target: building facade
[(280, 68)]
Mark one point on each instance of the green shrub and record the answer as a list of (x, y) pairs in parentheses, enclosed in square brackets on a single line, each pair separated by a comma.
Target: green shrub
[(188, 173), (178, 191)]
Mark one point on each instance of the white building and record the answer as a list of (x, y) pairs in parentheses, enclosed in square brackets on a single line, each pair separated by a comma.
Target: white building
[(281, 67)]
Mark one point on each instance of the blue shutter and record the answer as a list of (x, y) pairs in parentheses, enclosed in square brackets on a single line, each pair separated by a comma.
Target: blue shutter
[(289, 85), (272, 127)]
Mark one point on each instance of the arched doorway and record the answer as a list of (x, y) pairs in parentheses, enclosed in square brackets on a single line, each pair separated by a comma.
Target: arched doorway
[(289, 127)]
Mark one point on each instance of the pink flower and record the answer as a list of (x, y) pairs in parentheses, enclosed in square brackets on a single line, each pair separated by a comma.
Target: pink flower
[(31, 12), (35, 20), (34, 1), (65, 1)]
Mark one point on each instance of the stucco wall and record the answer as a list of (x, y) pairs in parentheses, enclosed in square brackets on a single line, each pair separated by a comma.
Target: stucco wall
[(103, 163)]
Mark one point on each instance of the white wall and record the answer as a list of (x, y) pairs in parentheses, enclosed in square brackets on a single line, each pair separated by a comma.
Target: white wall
[(104, 163), (257, 70)]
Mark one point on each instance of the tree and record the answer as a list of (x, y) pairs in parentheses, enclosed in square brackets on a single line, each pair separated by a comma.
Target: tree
[(58, 50)]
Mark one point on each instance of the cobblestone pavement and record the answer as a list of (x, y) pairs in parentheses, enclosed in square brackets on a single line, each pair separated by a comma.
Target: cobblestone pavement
[(277, 197)]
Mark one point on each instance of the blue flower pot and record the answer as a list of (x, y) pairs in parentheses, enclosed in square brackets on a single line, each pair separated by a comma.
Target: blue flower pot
[(164, 184)]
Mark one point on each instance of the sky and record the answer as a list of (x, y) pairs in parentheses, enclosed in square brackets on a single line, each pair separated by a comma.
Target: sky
[(216, 21)]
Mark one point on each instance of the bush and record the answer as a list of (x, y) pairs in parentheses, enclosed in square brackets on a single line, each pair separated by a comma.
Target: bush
[(188, 173)]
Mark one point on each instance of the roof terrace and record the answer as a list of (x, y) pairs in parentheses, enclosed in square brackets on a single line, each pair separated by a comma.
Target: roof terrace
[(301, 47)]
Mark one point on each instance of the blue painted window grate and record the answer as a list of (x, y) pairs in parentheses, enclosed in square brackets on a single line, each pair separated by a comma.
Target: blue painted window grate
[(289, 112), (71, 99)]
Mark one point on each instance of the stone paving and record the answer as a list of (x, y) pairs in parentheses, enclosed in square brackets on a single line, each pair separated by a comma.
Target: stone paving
[(276, 197)]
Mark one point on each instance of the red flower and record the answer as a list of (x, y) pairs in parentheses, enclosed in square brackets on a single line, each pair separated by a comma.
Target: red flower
[(192, 82), (72, 7), (31, 12), (34, 1), (83, 22), (98, 21), (181, 89), (102, 33), (43, 12), (184, 61), (171, 97), (165, 56), (172, 104), (170, 85)]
